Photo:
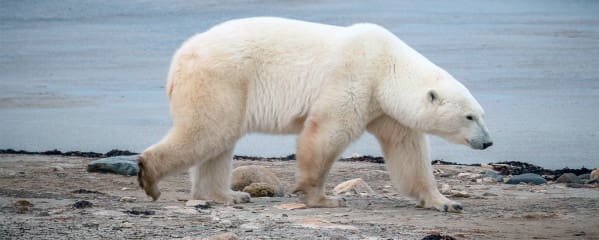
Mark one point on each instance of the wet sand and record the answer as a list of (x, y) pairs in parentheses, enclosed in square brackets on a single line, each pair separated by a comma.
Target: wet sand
[(89, 76)]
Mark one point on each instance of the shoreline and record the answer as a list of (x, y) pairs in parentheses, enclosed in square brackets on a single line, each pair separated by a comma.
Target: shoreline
[(505, 168)]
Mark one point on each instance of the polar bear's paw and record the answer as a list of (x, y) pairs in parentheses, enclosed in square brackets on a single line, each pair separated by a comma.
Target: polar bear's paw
[(147, 180), (442, 204)]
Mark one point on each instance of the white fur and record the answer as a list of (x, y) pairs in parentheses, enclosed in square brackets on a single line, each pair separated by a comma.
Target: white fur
[(326, 83)]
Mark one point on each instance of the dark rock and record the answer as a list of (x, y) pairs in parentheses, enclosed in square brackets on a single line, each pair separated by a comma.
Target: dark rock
[(585, 176), (593, 181), (82, 204), (438, 237), (116, 152), (568, 178), (123, 165), (527, 178), (23, 206), (494, 175), (140, 211), (85, 191)]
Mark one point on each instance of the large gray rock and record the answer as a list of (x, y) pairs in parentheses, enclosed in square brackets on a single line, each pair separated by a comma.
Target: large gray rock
[(527, 178), (265, 180), (123, 165), (568, 178)]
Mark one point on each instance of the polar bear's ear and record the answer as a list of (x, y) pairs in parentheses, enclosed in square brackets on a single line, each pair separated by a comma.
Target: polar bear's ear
[(433, 97)]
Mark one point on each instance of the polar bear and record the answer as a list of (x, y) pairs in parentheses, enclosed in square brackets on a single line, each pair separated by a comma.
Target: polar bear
[(329, 84)]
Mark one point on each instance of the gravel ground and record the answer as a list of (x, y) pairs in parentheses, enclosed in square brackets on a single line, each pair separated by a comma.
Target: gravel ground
[(120, 210)]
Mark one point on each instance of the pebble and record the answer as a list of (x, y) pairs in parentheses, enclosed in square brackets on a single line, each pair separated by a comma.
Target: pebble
[(82, 204), (250, 227), (467, 175), (246, 175), (354, 186), (575, 185), (123, 165), (23, 206), (488, 194), (317, 223), (527, 178), (127, 199), (126, 225), (140, 211), (568, 178)]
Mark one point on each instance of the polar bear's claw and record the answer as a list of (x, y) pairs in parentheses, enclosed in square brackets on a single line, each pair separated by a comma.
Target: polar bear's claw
[(146, 182)]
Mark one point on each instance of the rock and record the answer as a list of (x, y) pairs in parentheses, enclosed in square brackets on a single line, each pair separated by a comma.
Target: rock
[(488, 194), (126, 225), (527, 178), (23, 206), (568, 178), (57, 169), (291, 206), (140, 211), (493, 175), (222, 236), (85, 191), (82, 204), (460, 194), (592, 181), (353, 186), (438, 237), (595, 174), (123, 165), (260, 190), (201, 204), (586, 176), (246, 175), (127, 199)]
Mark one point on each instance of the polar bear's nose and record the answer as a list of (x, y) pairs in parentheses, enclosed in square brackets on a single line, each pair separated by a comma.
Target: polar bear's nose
[(487, 144)]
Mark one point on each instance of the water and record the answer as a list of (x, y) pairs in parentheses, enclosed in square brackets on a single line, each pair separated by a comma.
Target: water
[(89, 75)]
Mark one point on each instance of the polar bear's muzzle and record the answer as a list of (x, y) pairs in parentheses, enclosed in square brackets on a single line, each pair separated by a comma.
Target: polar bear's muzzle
[(482, 140)]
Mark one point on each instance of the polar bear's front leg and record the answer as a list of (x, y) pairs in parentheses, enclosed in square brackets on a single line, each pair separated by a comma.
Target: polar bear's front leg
[(407, 159), (211, 180), (319, 145)]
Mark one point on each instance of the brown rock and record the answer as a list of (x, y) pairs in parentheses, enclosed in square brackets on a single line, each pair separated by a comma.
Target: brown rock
[(246, 175), (260, 190), (23, 206), (354, 186)]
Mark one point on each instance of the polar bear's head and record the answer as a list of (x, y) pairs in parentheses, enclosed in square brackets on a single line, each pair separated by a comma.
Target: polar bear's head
[(452, 113), (437, 104)]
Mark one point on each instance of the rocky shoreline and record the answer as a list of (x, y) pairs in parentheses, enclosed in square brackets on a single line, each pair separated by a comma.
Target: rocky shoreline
[(505, 168)]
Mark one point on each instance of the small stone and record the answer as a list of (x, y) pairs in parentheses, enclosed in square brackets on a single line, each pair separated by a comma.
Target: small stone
[(250, 227), (595, 174), (460, 194), (488, 194), (438, 237), (291, 206), (467, 175), (226, 222), (568, 178), (260, 190), (57, 169), (222, 236), (82, 204), (126, 225), (23, 206), (127, 199), (123, 165), (527, 178), (140, 211), (126, 189), (246, 175), (353, 186)]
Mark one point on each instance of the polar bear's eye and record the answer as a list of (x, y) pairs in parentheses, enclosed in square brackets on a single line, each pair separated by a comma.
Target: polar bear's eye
[(470, 117)]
